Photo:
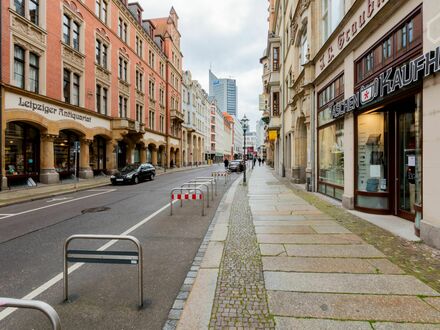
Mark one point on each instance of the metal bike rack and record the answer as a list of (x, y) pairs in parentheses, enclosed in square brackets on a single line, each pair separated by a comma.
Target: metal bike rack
[(198, 185), (211, 179), (187, 195), (206, 181), (48, 310), (104, 257)]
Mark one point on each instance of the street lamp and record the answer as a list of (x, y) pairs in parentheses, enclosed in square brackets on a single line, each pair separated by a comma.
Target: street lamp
[(244, 124)]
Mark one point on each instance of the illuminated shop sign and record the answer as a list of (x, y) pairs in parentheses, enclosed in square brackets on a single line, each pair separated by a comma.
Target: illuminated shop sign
[(390, 81)]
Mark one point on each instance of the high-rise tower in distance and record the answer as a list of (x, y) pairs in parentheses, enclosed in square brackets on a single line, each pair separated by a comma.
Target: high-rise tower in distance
[(225, 92)]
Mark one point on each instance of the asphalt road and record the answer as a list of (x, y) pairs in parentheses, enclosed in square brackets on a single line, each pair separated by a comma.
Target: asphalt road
[(102, 296)]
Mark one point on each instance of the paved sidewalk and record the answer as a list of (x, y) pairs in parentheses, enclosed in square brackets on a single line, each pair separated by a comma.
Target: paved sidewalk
[(24, 194), (298, 268)]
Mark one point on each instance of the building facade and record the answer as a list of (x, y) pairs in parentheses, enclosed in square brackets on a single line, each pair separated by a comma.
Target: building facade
[(87, 80), (196, 110), (358, 121), (225, 92)]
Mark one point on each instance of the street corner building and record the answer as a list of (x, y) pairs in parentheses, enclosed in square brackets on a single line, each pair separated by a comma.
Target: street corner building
[(350, 99), (87, 87)]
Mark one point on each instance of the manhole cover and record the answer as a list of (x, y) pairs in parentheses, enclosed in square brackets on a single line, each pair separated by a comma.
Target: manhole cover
[(95, 209)]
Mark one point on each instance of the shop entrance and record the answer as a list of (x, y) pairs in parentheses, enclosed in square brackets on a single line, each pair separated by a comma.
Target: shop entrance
[(65, 154), (389, 159), (408, 166), (122, 154)]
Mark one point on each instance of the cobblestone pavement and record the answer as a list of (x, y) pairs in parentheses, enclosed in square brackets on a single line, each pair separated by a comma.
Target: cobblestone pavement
[(241, 300), (415, 258)]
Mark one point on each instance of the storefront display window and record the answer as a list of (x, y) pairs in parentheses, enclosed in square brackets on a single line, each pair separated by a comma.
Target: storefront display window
[(372, 152), (97, 152), (64, 152), (21, 149), (331, 154)]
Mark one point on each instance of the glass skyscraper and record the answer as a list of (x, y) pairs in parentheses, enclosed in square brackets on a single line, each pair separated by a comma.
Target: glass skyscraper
[(225, 92)]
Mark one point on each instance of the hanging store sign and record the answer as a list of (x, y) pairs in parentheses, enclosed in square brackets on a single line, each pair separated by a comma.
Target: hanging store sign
[(273, 135), (52, 112), (389, 82)]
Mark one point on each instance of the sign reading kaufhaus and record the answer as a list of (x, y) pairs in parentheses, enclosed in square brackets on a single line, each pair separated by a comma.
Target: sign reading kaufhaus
[(389, 82), (52, 112)]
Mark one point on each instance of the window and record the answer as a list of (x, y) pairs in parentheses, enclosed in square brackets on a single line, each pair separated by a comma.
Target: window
[(19, 66), (66, 29), (75, 89), (66, 85), (162, 123), (332, 12), (151, 59), (19, 7), (101, 10), (386, 49), (162, 97), (101, 99), (122, 30), (138, 46), (139, 112), (104, 100), (33, 11), (276, 104), (139, 80), (34, 72), (151, 119), (98, 98), (101, 51), (276, 59), (331, 92), (71, 32), (304, 48), (151, 90), (123, 106), (369, 63), (71, 87), (123, 69), (162, 70), (331, 154)]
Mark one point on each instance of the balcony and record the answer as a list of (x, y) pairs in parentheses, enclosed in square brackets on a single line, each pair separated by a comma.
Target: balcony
[(128, 125), (177, 115)]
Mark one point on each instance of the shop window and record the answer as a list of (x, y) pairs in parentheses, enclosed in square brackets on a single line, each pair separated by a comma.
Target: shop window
[(64, 153), (331, 154), (22, 143), (372, 152), (97, 151)]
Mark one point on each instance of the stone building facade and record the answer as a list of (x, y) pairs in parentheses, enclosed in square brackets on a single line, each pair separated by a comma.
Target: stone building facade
[(357, 120), (87, 80)]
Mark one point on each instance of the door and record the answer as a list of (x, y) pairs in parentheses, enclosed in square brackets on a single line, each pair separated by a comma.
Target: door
[(407, 164)]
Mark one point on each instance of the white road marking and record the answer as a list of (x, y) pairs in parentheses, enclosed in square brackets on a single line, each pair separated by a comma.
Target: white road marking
[(8, 311), (56, 204), (5, 215), (95, 190), (58, 199)]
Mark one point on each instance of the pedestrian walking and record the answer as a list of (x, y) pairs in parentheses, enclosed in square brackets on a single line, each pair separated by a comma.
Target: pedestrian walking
[(254, 160), (226, 162), (259, 161), (262, 160)]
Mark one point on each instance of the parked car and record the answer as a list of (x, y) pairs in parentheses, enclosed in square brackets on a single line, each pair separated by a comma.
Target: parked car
[(236, 166), (134, 173)]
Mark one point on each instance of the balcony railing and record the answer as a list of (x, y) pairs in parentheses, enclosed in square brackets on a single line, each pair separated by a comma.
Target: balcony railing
[(177, 115)]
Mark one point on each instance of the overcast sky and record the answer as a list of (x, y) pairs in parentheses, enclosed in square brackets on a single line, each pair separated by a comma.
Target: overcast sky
[(228, 35)]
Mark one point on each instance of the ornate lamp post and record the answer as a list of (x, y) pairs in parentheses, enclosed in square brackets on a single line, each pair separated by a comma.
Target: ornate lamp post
[(244, 124)]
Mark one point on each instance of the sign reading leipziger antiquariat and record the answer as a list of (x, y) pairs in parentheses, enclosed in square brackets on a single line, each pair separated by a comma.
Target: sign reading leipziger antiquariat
[(390, 81), (51, 111)]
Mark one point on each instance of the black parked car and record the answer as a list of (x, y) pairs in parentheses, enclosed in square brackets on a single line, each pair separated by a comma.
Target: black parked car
[(134, 173), (236, 166)]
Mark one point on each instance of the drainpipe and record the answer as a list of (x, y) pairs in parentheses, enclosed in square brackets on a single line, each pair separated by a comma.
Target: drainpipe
[(313, 142)]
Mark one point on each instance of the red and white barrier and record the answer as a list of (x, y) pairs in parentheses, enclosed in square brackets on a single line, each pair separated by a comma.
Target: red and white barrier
[(186, 196)]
